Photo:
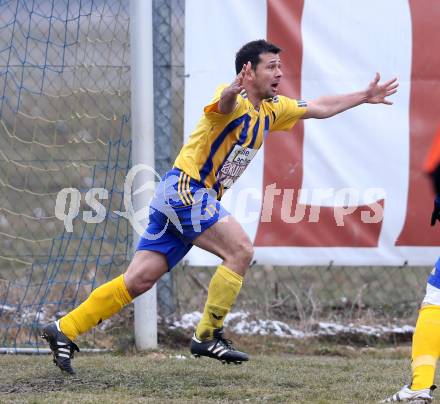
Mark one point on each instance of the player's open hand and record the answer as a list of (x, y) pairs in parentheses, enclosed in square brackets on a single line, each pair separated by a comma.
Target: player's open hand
[(377, 93), (237, 85)]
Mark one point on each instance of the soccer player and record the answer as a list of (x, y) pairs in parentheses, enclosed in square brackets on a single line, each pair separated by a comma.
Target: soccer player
[(426, 338), (186, 208)]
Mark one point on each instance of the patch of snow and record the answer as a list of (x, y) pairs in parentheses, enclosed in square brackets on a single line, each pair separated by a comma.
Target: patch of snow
[(188, 321), (5, 307), (334, 329), (179, 357), (240, 322)]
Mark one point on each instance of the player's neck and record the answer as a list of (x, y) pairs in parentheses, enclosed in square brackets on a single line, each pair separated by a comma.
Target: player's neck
[(254, 99)]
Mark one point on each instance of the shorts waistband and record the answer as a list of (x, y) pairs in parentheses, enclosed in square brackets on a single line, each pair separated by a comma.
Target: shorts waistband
[(177, 171)]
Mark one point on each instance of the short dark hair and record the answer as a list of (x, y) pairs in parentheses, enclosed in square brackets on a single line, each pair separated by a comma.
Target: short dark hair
[(251, 52)]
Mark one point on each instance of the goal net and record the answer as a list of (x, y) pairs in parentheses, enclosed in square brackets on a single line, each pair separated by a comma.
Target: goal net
[(64, 122)]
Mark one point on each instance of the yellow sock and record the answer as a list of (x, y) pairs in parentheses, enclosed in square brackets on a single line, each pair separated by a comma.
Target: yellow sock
[(425, 347), (102, 303), (222, 292)]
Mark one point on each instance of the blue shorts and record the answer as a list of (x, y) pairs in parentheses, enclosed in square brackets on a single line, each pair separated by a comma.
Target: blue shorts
[(180, 211)]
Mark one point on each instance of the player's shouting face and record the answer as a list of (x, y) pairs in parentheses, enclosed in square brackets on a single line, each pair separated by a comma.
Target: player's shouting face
[(266, 76)]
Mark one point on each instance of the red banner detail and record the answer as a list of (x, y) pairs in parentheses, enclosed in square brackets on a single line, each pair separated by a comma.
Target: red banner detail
[(424, 119), (283, 158)]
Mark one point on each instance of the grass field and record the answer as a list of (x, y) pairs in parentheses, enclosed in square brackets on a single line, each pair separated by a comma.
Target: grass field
[(343, 375)]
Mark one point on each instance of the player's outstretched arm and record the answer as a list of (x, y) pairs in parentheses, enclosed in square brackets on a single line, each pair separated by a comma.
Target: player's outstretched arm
[(375, 93), (228, 98)]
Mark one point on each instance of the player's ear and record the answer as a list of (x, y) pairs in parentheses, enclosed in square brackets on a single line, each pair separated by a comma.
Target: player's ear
[(250, 73)]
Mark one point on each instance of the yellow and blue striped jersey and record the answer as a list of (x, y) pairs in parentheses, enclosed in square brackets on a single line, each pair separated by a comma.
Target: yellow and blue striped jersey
[(222, 145)]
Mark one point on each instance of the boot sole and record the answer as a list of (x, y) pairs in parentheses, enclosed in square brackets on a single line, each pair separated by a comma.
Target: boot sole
[(198, 356)]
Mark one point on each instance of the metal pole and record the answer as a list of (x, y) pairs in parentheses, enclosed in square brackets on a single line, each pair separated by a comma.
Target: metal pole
[(142, 112), (163, 125)]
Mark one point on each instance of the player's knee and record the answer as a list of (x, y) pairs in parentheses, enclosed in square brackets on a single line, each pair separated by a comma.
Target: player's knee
[(249, 253), (244, 252), (144, 271), (136, 285), (138, 280), (145, 285)]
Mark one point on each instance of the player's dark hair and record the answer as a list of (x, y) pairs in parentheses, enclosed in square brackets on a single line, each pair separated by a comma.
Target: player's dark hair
[(251, 52)]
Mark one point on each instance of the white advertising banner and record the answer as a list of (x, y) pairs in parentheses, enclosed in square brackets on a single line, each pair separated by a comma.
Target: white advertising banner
[(349, 189)]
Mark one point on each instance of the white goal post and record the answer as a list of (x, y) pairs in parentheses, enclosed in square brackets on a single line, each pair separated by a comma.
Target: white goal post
[(142, 115)]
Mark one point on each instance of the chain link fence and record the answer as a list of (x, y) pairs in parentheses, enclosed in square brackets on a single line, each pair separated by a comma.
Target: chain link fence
[(169, 85), (306, 295)]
